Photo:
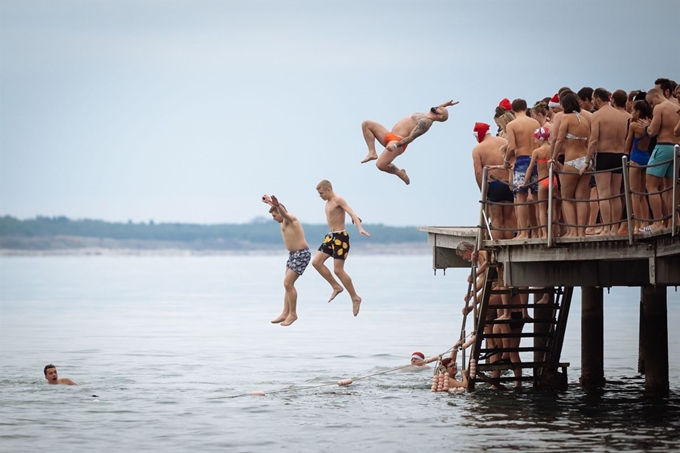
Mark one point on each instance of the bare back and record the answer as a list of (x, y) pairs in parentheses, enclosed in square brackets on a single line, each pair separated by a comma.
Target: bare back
[(611, 128), (520, 135), (666, 112), (488, 153), (405, 125)]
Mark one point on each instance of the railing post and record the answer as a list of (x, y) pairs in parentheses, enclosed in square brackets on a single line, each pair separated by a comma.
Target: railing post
[(550, 205), (627, 197), (674, 211), (482, 206)]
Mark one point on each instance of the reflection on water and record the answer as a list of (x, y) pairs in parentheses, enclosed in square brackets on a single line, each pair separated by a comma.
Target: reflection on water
[(173, 347)]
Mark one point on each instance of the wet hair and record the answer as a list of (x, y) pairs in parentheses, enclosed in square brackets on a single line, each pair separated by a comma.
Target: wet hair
[(519, 105), (559, 92), (325, 184), (585, 94), (463, 247), (643, 108), (601, 94), (47, 367), (539, 109), (619, 97), (570, 103), (664, 84), (504, 119)]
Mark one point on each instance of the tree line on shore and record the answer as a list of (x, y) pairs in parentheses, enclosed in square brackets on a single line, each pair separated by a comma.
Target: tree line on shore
[(259, 231)]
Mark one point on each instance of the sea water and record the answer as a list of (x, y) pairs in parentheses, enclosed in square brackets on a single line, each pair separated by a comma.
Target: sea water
[(166, 351)]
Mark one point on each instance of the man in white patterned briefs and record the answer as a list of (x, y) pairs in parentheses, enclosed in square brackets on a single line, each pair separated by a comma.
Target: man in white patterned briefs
[(298, 258)]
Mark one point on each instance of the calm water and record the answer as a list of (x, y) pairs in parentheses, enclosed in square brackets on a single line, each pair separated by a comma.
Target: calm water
[(172, 347)]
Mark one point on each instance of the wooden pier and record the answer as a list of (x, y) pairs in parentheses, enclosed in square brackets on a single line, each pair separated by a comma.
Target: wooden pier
[(593, 263)]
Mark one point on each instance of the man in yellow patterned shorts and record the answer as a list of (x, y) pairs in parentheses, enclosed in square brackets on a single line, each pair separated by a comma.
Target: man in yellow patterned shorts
[(336, 244)]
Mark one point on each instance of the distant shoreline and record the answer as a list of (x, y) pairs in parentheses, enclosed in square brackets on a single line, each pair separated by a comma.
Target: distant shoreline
[(82, 246)]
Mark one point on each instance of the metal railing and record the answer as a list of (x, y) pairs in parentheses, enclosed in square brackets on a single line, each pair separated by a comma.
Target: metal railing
[(485, 226)]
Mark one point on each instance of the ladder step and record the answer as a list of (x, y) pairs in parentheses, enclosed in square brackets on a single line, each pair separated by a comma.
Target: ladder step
[(516, 335), (526, 321), (505, 366), (503, 378), (523, 306), (525, 291), (525, 349)]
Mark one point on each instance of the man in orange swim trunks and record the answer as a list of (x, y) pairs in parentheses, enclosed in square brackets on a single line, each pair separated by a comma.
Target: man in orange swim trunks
[(396, 141)]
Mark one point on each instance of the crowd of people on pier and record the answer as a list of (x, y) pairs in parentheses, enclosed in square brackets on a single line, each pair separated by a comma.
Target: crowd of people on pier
[(583, 136)]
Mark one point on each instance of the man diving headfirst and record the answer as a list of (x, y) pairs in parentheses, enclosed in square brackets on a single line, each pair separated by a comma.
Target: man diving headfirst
[(395, 142)]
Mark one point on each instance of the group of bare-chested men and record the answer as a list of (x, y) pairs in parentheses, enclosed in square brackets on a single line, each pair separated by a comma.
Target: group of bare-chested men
[(336, 243), (580, 133)]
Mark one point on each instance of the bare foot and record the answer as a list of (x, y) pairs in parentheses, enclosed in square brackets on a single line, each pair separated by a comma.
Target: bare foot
[(522, 235), (280, 318), (403, 176), (356, 303), (369, 157), (289, 320), (593, 230), (336, 291)]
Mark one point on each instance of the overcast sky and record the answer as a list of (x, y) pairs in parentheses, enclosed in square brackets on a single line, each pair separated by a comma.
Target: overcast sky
[(189, 111)]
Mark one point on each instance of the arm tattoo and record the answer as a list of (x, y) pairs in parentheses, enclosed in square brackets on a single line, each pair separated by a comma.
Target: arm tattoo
[(422, 126)]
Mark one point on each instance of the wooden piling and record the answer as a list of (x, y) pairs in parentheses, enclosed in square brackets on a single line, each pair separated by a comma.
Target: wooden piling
[(654, 325), (592, 337)]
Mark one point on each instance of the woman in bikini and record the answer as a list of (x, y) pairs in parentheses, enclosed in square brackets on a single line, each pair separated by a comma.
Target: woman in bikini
[(574, 132), (637, 143), (540, 158)]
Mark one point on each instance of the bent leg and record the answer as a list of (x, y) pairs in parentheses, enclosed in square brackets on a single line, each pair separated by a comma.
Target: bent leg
[(339, 269), (373, 131), (385, 164), (318, 263)]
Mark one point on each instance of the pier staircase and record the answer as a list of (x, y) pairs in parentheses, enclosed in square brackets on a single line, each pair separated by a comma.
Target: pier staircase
[(549, 320)]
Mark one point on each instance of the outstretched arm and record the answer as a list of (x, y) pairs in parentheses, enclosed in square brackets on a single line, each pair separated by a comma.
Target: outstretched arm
[(282, 210), (448, 104), (355, 218)]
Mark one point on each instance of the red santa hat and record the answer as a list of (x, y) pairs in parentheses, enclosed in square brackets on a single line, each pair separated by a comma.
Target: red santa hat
[(480, 130), (418, 355), (554, 102), (505, 103), (541, 134)]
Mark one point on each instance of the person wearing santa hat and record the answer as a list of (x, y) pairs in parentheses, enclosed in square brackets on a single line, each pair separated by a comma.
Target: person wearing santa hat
[(395, 142), (487, 154), (418, 359)]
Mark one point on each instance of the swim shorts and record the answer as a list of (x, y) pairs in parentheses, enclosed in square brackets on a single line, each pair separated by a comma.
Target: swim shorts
[(499, 191), (298, 260), (516, 320), (519, 173), (390, 137), (336, 244), (610, 161), (663, 152)]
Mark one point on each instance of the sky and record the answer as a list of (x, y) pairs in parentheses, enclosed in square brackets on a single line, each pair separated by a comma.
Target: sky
[(190, 110)]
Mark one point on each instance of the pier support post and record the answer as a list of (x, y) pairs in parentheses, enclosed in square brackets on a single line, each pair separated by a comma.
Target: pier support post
[(654, 326), (592, 337), (641, 334)]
